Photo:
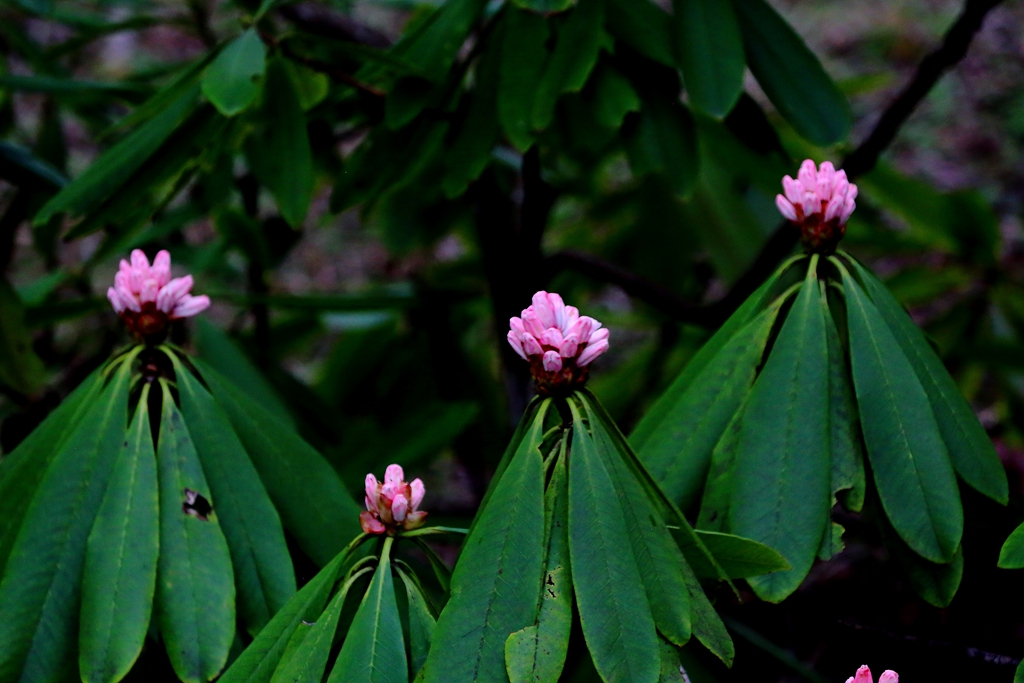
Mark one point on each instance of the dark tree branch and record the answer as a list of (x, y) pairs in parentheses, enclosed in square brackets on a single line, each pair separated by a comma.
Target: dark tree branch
[(333, 72), (862, 160)]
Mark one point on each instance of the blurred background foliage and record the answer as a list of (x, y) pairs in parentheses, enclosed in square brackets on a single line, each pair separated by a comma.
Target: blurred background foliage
[(368, 189)]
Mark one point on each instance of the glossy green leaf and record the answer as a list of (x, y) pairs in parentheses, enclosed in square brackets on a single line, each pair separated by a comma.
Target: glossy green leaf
[(710, 50), (665, 142), (264, 577), (278, 151), (1018, 676), (313, 503), (783, 470), (643, 26), (536, 654), (40, 589), (231, 81), (791, 75), (740, 557), (847, 450), (935, 583), (670, 671), (422, 621), (258, 662), (434, 45), (574, 56), (495, 583), (195, 589), (307, 661), (374, 649), (20, 368), (117, 165), (912, 472), (971, 451), (1011, 556), (717, 495), (523, 57), (613, 97), (677, 437), (119, 577), (707, 626), (614, 611)]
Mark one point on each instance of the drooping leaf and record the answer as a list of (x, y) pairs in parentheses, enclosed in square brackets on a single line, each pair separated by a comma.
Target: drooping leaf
[(264, 577), (710, 50), (374, 649), (783, 469), (278, 151), (740, 557), (574, 57), (791, 76), (312, 501), (495, 583), (231, 80), (614, 611), (912, 472), (307, 660), (422, 621), (935, 583), (20, 368), (971, 451), (523, 57), (195, 590), (643, 26), (119, 577), (665, 142), (41, 585)]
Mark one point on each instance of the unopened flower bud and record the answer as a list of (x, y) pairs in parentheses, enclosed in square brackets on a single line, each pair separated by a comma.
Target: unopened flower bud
[(819, 202), (393, 504)]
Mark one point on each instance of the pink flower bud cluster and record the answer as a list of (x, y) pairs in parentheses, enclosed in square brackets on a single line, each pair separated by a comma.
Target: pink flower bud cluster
[(557, 341), (864, 676), (393, 504), (819, 202), (147, 298)]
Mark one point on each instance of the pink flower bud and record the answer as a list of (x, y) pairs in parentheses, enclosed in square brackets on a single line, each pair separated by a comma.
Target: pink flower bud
[(532, 323), (570, 346), (516, 343), (863, 675), (889, 676), (808, 176), (392, 505), (542, 307), (399, 507), (146, 297), (517, 326), (189, 306), (551, 337), (819, 202), (161, 268), (531, 345), (794, 191), (372, 489), (418, 492), (552, 361), (787, 210), (371, 524), (598, 335), (591, 352), (394, 475)]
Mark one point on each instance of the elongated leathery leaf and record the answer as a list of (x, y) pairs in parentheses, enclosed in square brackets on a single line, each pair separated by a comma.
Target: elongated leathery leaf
[(495, 583), (40, 589), (710, 51), (307, 661), (783, 470), (935, 583), (574, 57), (691, 421), (912, 472), (536, 654), (740, 557), (653, 546), (230, 82), (523, 57), (791, 75), (971, 451), (263, 570), (614, 611), (374, 649), (22, 469), (195, 590), (119, 578), (422, 620), (258, 662), (313, 502), (644, 26)]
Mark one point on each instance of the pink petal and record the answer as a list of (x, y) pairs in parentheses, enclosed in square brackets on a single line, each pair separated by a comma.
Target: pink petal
[(785, 207), (552, 361), (826, 175), (591, 352), (370, 523), (840, 188), (189, 306), (852, 192), (128, 299), (414, 520), (599, 335), (812, 204), (516, 344), (793, 189), (847, 210), (170, 293), (542, 307), (115, 300), (418, 490), (889, 676), (122, 279), (394, 475), (517, 326), (532, 323), (372, 489), (551, 337), (161, 268), (835, 207), (531, 345), (569, 346), (399, 507), (808, 175), (558, 306), (139, 260), (863, 675), (148, 291), (572, 314), (584, 327)]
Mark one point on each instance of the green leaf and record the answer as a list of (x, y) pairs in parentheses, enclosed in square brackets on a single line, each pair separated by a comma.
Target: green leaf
[(422, 621), (308, 659), (782, 472), (313, 503), (195, 590), (935, 583), (523, 56), (374, 650), (614, 611), (434, 45), (665, 142), (717, 495), (119, 577), (1011, 556), (117, 165), (912, 472), (536, 654), (791, 76), (670, 671), (1018, 676), (278, 150), (40, 589), (971, 451), (495, 585), (676, 438), (258, 662), (264, 577), (613, 97), (710, 50), (20, 368), (740, 557), (643, 26), (22, 469), (544, 6), (231, 81), (575, 54)]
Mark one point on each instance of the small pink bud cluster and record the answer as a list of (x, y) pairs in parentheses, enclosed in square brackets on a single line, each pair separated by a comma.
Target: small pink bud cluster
[(864, 676), (557, 341), (393, 504), (819, 202), (147, 299)]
